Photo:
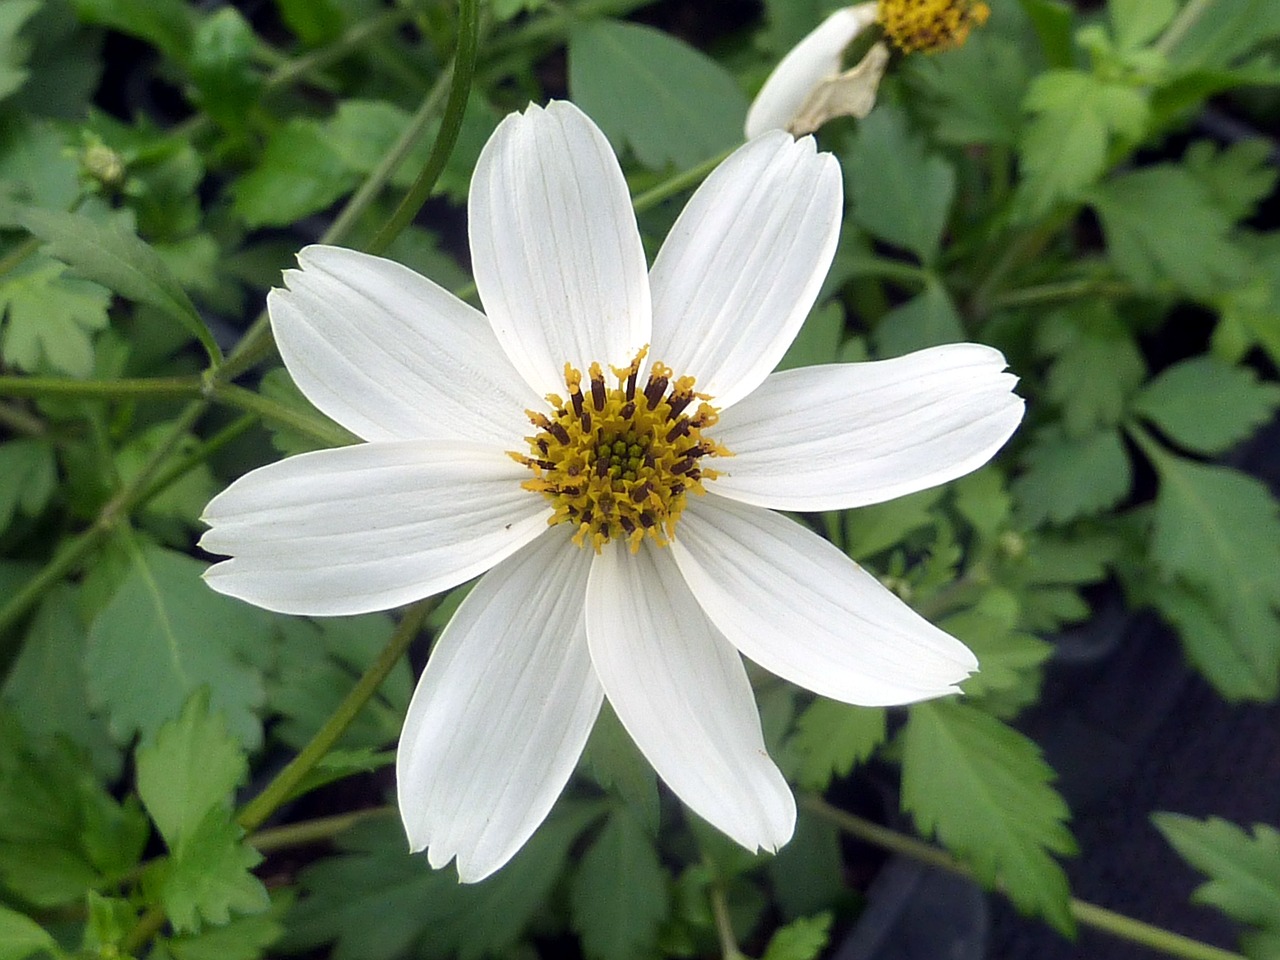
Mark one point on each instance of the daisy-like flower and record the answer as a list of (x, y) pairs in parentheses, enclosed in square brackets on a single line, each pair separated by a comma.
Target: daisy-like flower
[(808, 87), (609, 444)]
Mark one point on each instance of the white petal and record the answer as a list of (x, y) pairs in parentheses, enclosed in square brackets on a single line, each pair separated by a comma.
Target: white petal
[(554, 246), (391, 355), (368, 527), (808, 63), (501, 713), (744, 263), (683, 695), (845, 435), (800, 608)]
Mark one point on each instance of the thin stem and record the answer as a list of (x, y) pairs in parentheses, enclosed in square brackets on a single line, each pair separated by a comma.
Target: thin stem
[(155, 387), (1061, 290), (1088, 914), (312, 831), (1181, 25), (675, 184), (327, 433), (464, 65), (729, 949), (1025, 247), (291, 70), (256, 811), (19, 253), (146, 928), (200, 454)]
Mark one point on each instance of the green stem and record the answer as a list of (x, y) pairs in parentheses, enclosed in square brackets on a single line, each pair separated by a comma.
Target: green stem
[(1023, 248), (325, 432), (200, 454), (19, 253), (1061, 290), (154, 387), (464, 65), (729, 949), (291, 70), (1181, 25), (1088, 914), (312, 831), (256, 811), (677, 183)]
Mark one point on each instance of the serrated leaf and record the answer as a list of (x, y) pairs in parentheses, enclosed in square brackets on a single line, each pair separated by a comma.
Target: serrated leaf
[(1243, 870), (831, 738), (1238, 654), (619, 899), (1237, 177), (1077, 116), (164, 616), (208, 876), (20, 936), (190, 769), (900, 192), (50, 317), (985, 791), (1161, 225), (120, 261), (1096, 366), (1207, 406), (612, 759), (671, 104), (926, 320), (973, 93), (1064, 478), (299, 174), (244, 938), (1008, 659), (1081, 558), (801, 939)]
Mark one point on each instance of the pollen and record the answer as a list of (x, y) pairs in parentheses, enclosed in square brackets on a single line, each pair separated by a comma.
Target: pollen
[(930, 25), (617, 462)]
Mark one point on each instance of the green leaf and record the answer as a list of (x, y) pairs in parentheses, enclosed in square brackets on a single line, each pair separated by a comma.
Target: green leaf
[(299, 174), (667, 102), (244, 938), (50, 317), (190, 769), (13, 49), (61, 833), (208, 878), (875, 528), (831, 738), (926, 320), (1064, 149), (1096, 366), (900, 192), (1243, 870), (20, 936), (802, 939), (47, 688), (983, 788), (314, 22), (974, 93), (1009, 660), (818, 340), (375, 901), (1054, 23), (1235, 29), (613, 760), (222, 66), (808, 873), (983, 499), (619, 899), (1065, 477), (1161, 225), (166, 24), (164, 616), (1137, 22), (28, 476), (1207, 406), (1238, 177), (1238, 654), (120, 261)]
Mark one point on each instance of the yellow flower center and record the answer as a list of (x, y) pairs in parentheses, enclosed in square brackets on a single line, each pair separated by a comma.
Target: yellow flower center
[(618, 462), (930, 25)]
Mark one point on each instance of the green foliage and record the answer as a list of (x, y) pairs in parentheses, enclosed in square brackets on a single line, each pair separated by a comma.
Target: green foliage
[(50, 318), (801, 939), (28, 476), (1064, 477), (121, 262), (1243, 870), (299, 173), (1095, 367), (612, 760), (13, 49), (163, 614), (1078, 117), (830, 738), (985, 791), (20, 936), (974, 93), (901, 193), (1207, 406), (1137, 22), (927, 319), (619, 897), (668, 103)]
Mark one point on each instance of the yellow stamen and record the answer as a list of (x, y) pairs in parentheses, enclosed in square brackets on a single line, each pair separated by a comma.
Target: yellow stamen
[(930, 25)]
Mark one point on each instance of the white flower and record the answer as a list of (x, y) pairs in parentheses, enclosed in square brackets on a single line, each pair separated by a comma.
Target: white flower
[(668, 589), (807, 87)]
